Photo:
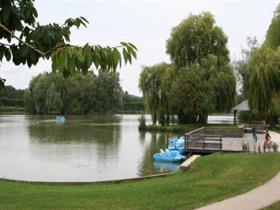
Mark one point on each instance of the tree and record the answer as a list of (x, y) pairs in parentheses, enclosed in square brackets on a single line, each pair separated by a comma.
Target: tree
[(198, 46), (131, 103), (263, 74), (149, 83), (264, 82), (11, 97), (51, 93), (24, 40), (192, 97), (195, 38), (155, 83), (54, 101), (272, 35), (241, 66)]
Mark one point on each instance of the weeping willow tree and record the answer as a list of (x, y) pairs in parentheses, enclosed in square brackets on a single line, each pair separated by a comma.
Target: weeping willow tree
[(149, 84), (272, 35), (155, 82), (199, 46), (264, 74), (264, 82)]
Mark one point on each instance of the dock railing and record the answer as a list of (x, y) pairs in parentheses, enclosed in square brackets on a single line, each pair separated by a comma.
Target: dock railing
[(203, 143), (200, 142)]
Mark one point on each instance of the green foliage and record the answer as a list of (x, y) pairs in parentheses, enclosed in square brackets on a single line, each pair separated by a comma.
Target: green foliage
[(178, 128), (200, 80), (72, 59), (25, 41), (155, 82), (11, 109), (193, 95), (262, 74), (80, 94), (210, 179), (241, 66), (244, 117), (195, 38), (142, 123), (131, 103), (2, 83), (10, 97), (272, 34), (264, 81)]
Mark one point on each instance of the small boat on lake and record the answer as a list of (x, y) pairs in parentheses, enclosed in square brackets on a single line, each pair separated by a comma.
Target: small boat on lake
[(60, 119), (174, 152), (169, 156)]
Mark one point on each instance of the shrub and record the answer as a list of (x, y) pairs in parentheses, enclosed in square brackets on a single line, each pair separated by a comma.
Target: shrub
[(142, 123)]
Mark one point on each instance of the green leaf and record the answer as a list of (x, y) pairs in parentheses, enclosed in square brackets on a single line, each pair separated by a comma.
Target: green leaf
[(2, 83), (133, 46), (125, 55), (7, 54)]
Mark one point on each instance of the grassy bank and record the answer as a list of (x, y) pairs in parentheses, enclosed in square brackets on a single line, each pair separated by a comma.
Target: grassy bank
[(275, 206), (176, 128), (209, 179), (276, 128), (11, 109), (131, 112), (172, 128)]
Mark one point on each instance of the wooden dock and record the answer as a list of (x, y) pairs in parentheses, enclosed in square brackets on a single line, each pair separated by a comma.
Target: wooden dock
[(201, 142)]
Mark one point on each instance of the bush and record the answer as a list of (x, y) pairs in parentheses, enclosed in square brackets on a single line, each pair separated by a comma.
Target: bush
[(142, 123), (244, 117)]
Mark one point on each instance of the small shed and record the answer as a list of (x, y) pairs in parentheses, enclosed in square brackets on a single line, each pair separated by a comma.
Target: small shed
[(243, 106)]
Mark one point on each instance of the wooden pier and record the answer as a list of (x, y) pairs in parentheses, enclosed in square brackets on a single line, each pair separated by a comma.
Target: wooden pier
[(203, 141)]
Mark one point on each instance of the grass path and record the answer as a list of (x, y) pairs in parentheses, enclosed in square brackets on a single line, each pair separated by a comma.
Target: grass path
[(209, 179)]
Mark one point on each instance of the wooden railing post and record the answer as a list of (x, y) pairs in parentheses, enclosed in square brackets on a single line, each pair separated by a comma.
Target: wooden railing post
[(203, 144)]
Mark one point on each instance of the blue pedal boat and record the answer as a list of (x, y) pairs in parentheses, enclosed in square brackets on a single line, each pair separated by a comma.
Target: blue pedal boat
[(169, 156)]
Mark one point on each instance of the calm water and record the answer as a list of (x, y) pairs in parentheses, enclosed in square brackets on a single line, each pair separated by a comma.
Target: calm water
[(84, 149)]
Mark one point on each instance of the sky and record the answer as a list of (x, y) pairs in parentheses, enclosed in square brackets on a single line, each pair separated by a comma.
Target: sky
[(147, 24)]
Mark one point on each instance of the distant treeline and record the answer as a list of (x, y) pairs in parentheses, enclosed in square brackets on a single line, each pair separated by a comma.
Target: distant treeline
[(51, 93), (131, 104), (11, 97)]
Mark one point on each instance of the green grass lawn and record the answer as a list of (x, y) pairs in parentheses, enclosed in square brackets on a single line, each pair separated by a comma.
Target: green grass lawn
[(276, 128), (209, 179), (275, 206), (11, 109)]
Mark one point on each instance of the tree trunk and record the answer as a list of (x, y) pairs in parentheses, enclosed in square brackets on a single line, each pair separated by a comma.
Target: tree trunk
[(154, 118), (203, 119), (167, 118)]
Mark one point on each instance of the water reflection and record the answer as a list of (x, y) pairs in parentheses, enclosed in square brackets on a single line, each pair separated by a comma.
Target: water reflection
[(78, 147), (166, 167), (157, 141), (83, 149)]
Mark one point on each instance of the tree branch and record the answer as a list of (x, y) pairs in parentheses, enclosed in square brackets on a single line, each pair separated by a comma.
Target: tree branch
[(43, 54), (8, 45), (20, 40)]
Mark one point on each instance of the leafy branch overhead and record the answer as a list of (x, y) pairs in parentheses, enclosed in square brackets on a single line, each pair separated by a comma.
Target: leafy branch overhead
[(24, 41), (70, 59)]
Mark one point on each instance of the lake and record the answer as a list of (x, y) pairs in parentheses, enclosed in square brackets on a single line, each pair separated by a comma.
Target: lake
[(85, 148)]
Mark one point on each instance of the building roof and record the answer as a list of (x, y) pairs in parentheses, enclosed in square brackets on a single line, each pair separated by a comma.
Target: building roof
[(243, 106)]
